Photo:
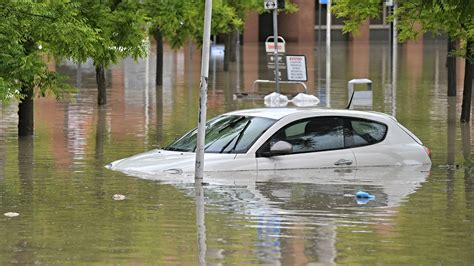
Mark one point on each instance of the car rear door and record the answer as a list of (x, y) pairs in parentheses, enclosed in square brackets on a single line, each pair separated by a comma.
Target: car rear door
[(376, 144)]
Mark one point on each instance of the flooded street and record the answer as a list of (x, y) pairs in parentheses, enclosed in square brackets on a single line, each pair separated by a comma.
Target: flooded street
[(57, 183)]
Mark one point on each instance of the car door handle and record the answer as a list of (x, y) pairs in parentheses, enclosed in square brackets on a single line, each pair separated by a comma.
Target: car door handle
[(343, 162)]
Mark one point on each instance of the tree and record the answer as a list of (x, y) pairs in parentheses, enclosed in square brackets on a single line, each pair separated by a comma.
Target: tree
[(452, 17), (121, 26), (172, 20), (178, 21), (29, 31), (241, 9)]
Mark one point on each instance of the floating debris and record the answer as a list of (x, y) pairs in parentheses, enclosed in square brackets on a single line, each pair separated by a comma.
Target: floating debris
[(119, 197), (449, 166), (363, 194), (11, 214), (364, 197)]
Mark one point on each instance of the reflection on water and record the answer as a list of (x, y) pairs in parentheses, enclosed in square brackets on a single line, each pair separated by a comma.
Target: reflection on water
[(57, 182)]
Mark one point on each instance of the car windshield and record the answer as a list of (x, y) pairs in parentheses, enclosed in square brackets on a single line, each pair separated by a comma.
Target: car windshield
[(225, 134)]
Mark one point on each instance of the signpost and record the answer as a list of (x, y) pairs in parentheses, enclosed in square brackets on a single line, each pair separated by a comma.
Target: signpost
[(275, 51), (273, 5), (289, 67)]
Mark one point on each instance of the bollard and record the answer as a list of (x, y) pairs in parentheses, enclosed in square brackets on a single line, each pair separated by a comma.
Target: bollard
[(359, 99)]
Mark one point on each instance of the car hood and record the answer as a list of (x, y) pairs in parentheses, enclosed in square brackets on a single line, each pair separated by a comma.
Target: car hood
[(158, 162)]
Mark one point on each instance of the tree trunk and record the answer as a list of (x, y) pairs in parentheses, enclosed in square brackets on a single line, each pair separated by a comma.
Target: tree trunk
[(227, 50), (159, 114), (451, 65), (467, 93), (25, 113), (159, 57), (233, 46), (100, 134), (100, 77)]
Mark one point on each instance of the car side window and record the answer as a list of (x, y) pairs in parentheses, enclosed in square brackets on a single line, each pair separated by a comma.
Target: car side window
[(364, 132), (312, 135)]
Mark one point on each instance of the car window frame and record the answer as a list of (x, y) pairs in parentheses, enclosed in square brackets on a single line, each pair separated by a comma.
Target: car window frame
[(344, 121), (348, 126), (260, 151)]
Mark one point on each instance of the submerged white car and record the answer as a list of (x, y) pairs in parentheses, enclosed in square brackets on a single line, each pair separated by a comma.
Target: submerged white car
[(269, 139)]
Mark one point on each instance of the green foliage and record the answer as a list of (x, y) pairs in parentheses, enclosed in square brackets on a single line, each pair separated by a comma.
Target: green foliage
[(182, 20), (224, 19), (356, 12), (120, 26), (452, 17), (29, 31), (105, 31), (177, 20)]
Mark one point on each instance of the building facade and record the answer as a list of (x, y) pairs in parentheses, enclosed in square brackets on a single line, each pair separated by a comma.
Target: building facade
[(309, 24)]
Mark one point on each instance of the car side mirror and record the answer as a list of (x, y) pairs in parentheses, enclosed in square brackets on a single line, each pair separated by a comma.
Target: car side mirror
[(280, 148)]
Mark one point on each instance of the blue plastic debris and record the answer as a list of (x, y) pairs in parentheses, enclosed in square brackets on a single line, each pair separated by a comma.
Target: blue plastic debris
[(364, 197), (363, 194)]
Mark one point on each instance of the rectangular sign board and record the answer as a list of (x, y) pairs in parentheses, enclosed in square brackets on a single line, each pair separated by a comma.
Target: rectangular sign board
[(281, 66), (271, 61), (296, 67)]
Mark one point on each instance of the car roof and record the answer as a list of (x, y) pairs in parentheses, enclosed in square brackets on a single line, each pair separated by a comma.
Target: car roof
[(280, 112)]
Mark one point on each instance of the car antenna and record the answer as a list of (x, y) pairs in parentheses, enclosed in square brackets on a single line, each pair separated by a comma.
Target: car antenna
[(350, 100)]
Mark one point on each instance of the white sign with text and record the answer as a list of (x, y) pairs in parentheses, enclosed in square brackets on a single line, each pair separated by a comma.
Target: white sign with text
[(296, 67)]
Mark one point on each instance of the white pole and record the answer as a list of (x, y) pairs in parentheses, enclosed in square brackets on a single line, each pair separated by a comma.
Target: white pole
[(328, 54), (319, 47), (201, 133), (200, 223), (394, 60), (275, 41)]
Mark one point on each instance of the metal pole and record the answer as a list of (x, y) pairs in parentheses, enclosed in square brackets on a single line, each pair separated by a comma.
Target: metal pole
[(200, 223), (319, 47), (201, 133), (275, 41), (237, 55), (394, 60), (328, 54)]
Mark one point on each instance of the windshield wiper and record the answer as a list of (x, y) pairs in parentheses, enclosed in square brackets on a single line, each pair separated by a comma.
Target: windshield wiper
[(236, 138), (231, 123)]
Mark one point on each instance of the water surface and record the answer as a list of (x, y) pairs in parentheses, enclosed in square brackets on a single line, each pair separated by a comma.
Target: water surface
[(57, 182)]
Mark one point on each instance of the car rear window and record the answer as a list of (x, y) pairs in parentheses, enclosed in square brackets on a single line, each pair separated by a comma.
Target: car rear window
[(364, 132)]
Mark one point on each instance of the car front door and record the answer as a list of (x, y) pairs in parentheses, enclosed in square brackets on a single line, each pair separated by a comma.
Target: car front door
[(317, 142)]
